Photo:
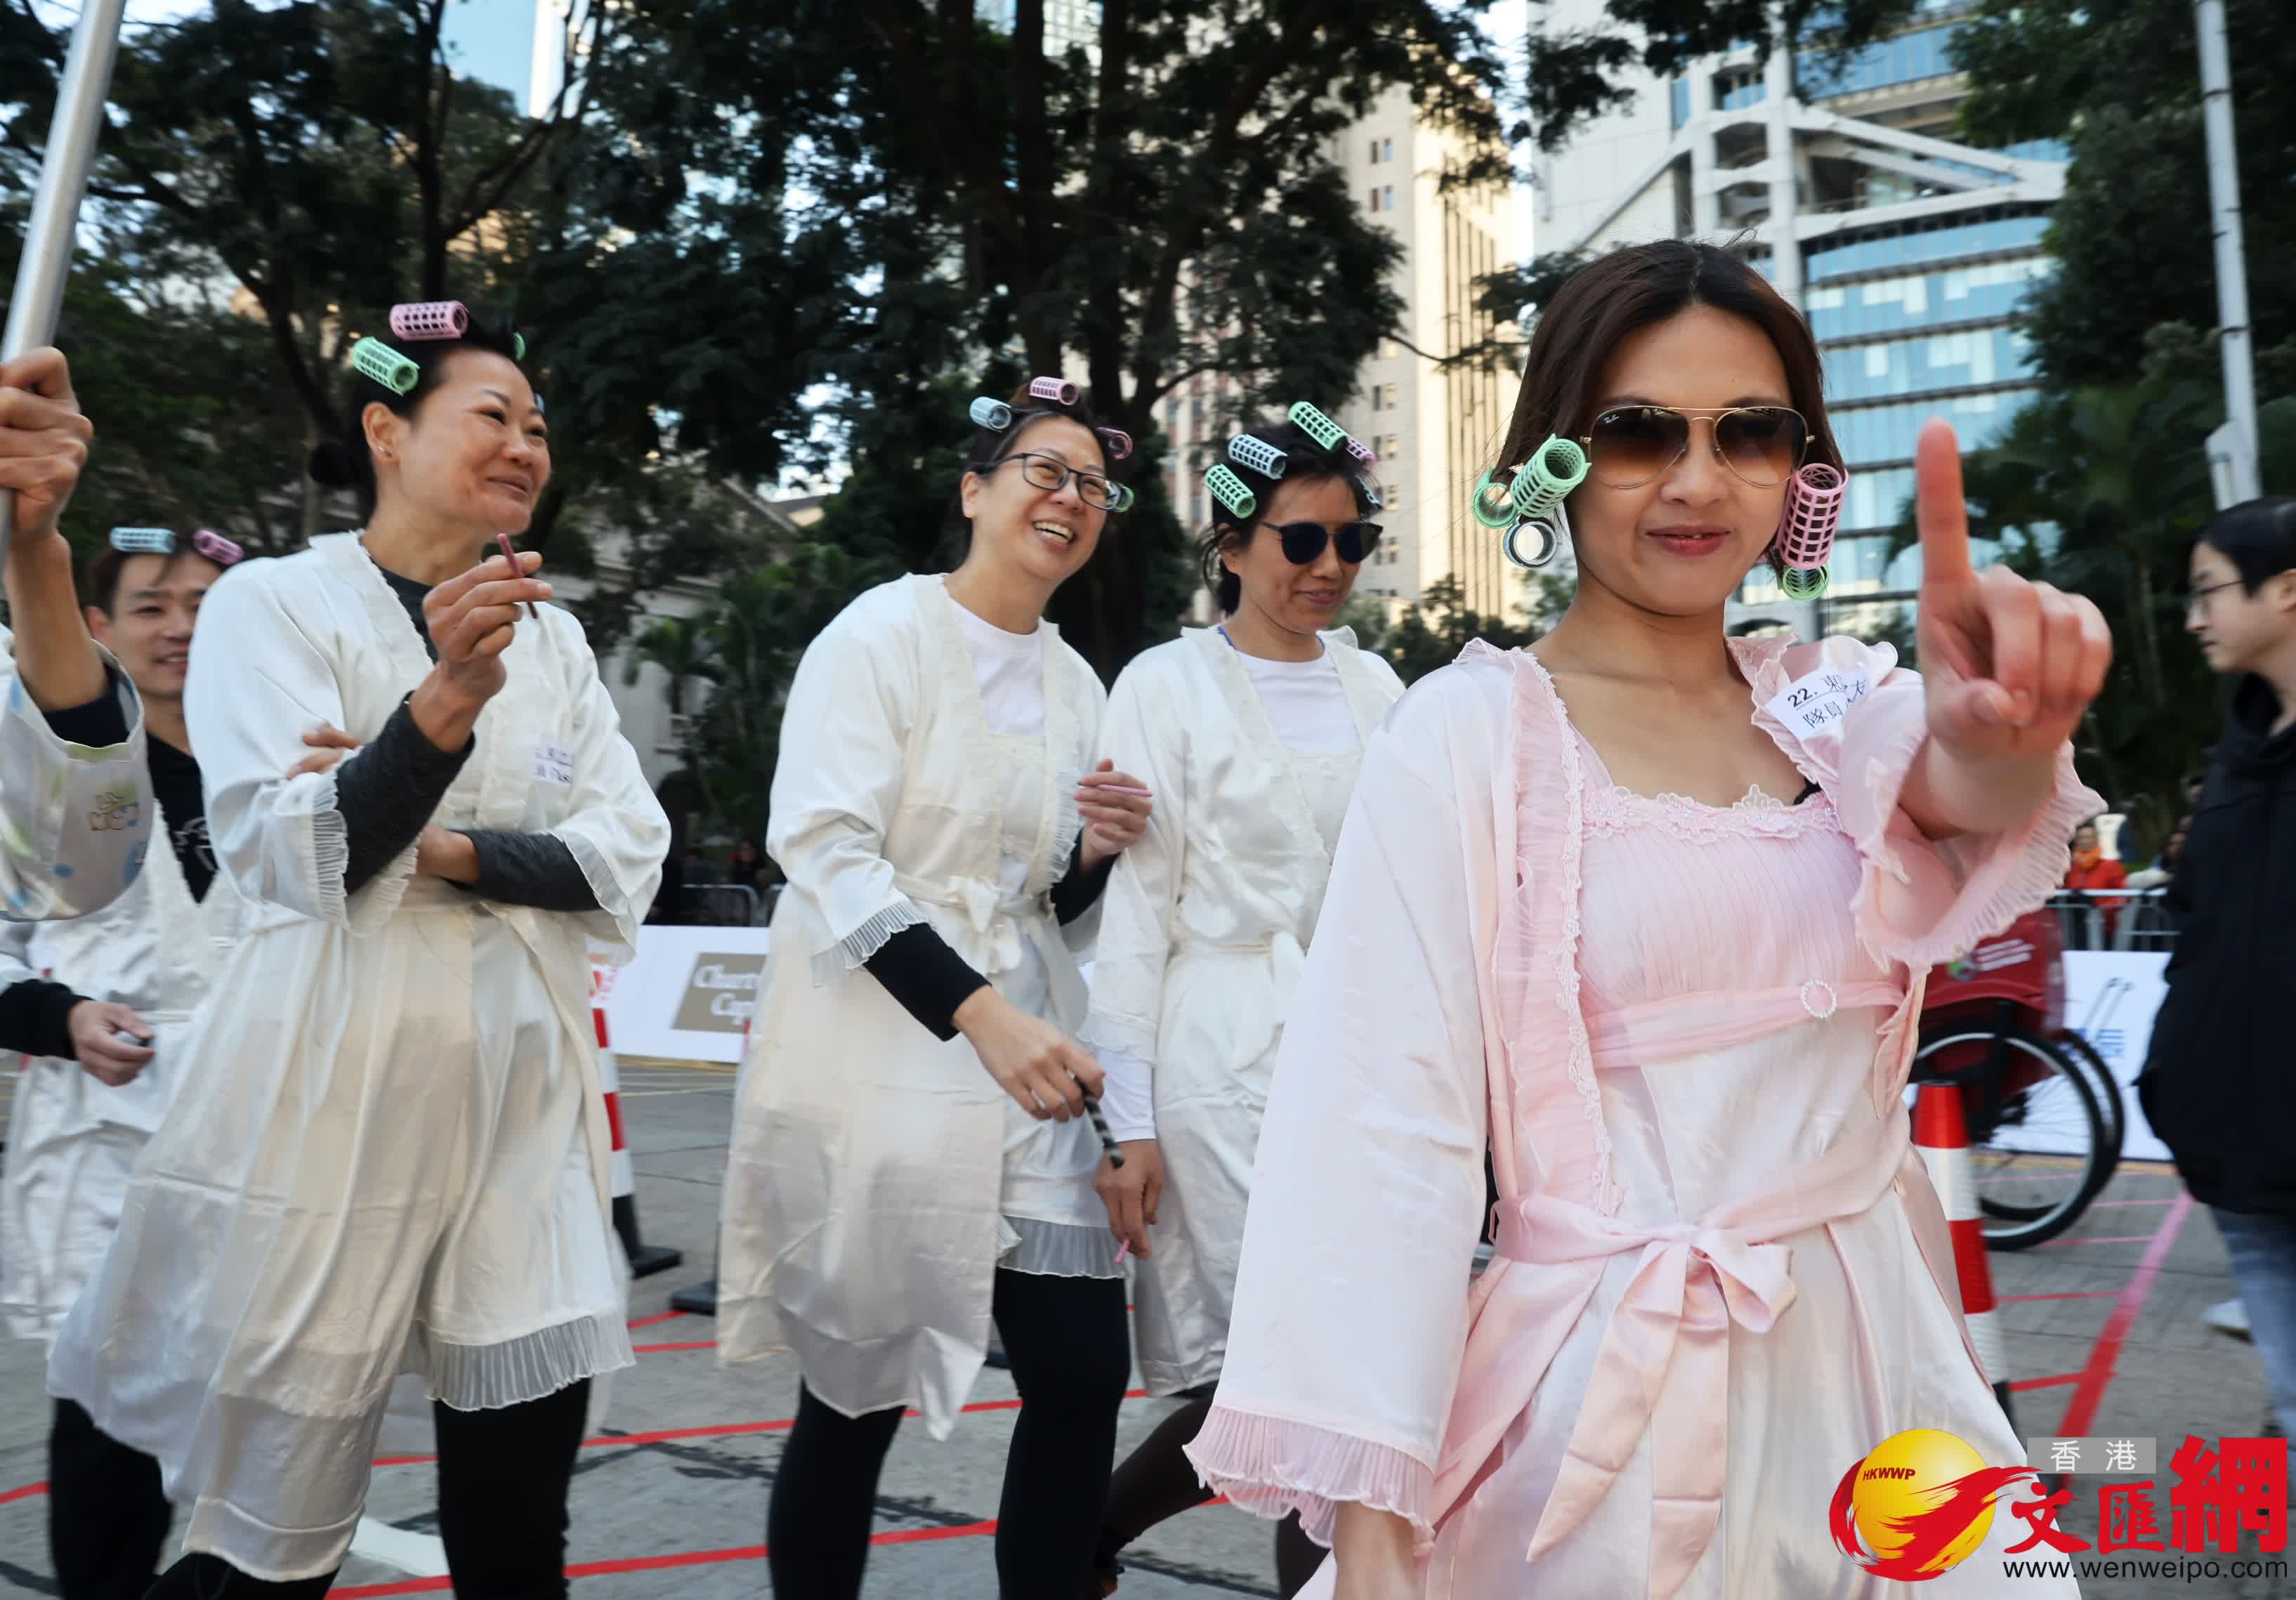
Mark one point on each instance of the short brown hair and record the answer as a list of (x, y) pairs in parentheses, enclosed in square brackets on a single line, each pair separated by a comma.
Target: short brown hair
[(1634, 287), (104, 572)]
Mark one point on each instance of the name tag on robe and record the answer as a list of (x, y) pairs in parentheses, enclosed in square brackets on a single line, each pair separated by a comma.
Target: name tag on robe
[(553, 763), (1816, 701)]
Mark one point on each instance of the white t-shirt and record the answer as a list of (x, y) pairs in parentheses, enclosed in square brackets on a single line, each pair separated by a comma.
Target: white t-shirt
[(1306, 702), (1011, 670)]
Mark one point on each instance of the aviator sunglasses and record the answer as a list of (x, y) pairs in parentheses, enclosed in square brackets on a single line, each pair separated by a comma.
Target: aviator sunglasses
[(1631, 445), (1303, 542)]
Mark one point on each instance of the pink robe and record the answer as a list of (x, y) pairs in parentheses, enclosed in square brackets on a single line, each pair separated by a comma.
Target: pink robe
[(1722, 1275)]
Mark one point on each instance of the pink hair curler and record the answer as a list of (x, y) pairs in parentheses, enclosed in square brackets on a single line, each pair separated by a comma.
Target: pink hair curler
[(1116, 441), (1059, 391), (430, 319), (1361, 451), (1813, 511), (223, 552)]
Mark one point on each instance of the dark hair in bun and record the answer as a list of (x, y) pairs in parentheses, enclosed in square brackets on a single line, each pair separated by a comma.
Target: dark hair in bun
[(347, 463), (1308, 462)]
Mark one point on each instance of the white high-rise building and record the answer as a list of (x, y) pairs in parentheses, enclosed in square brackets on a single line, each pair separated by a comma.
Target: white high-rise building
[(1907, 251), (519, 45)]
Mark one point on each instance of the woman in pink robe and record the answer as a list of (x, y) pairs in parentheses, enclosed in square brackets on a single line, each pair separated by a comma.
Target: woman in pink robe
[(1645, 912)]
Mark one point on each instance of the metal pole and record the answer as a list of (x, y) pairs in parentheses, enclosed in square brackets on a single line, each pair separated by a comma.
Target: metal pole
[(2231, 271), (39, 292)]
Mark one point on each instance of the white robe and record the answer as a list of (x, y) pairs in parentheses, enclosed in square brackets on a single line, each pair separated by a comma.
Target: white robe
[(75, 819), (71, 1137), (865, 1199), (1203, 935), (389, 1151)]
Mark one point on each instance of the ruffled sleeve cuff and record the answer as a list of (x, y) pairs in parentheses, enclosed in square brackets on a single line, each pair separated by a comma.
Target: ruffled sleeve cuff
[(854, 950), (1921, 902), (1272, 1468)]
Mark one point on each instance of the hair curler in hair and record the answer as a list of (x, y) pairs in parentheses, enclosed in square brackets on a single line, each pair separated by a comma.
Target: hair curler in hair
[(1258, 455), (518, 346), (144, 541), (1124, 497), (1492, 502), (1805, 537), (223, 552), (377, 360), (1542, 483), (1059, 391), (1362, 452), (430, 319), (1327, 433), (1116, 441), (995, 415), (1370, 492), (1550, 540), (1230, 491)]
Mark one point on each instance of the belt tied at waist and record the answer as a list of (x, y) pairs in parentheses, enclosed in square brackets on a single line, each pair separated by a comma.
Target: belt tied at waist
[(994, 927), (1664, 1365)]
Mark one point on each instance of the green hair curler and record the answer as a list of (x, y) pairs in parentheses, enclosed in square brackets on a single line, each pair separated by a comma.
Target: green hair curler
[(1545, 481), (1327, 433), (372, 358), (1492, 503), (1802, 583), (1231, 491), (518, 346)]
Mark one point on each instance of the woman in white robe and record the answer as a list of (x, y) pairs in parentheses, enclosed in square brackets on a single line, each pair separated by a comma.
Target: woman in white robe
[(910, 1143), (97, 1006), (389, 1151), (1644, 913), (1250, 733), (75, 800)]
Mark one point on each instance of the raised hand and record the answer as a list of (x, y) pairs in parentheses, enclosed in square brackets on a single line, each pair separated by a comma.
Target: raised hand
[(43, 439), (472, 618), (2009, 665), (1116, 807)]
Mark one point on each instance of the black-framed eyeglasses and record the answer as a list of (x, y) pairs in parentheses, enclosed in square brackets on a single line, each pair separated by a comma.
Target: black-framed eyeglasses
[(1051, 472), (2197, 600), (1631, 445), (1303, 542)]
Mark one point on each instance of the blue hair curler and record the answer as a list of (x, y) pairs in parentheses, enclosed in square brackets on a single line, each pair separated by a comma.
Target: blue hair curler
[(1327, 433), (144, 541), (1231, 491), (374, 359), (1258, 455), (995, 415)]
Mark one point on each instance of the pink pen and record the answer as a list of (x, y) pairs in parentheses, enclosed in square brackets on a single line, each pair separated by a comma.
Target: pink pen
[(1120, 789), (1123, 1251)]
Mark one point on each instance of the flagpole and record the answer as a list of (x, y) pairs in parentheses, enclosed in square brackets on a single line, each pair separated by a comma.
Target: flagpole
[(39, 292)]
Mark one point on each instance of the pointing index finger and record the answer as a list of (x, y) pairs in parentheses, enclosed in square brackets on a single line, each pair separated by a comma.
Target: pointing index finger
[(1939, 512)]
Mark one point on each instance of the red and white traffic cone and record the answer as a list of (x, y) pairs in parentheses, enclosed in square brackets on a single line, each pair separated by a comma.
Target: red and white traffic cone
[(646, 1260), (1941, 1132)]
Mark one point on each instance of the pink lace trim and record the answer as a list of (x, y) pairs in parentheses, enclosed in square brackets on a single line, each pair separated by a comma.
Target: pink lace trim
[(1616, 810), (1579, 1061), (1272, 1468)]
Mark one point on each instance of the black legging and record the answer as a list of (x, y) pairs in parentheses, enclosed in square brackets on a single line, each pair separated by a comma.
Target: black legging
[(1071, 1355), (1158, 1482), (108, 1517), (502, 1476)]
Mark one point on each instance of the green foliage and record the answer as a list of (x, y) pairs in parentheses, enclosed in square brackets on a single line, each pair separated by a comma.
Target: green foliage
[(1432, 632), (2120, 80)]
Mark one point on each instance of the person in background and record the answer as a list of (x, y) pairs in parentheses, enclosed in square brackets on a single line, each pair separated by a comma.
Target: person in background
[(747, 865), (102, 1036), (2091, 870), (699, 868), (2164, 866), (2215, 1085), (76, 816)]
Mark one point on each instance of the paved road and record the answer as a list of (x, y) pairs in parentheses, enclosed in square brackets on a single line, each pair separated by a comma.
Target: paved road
[(2104, 1331)]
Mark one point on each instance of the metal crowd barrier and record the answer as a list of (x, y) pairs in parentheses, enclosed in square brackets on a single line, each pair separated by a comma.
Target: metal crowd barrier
[(2114, 919)]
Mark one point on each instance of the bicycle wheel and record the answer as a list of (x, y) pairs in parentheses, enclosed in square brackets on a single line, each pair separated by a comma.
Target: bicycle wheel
[(2037, 1138), (2108, 1098)]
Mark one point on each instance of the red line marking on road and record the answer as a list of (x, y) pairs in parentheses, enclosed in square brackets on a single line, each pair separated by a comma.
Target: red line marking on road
[(691, 1344), (2105, 1354), (2068, 1294), (25, 1493), (647, 1322), (2063, 1377), (2115, 1239)]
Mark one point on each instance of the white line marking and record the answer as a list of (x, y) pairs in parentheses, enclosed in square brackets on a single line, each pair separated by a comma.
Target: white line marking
[(417, 1555)]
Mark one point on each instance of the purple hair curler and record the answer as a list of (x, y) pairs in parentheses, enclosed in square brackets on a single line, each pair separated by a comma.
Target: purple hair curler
[(430, 319), (223, 552), (1813, 511), (1116, 441), (1059, 391), (1361, 451)]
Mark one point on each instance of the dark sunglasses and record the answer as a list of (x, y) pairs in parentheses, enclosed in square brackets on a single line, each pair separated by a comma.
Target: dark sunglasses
[(1631, 445), (1303, 542)]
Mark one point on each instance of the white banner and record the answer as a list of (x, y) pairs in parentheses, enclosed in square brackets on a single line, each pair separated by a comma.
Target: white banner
[(2111, 997), (688, 995)]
